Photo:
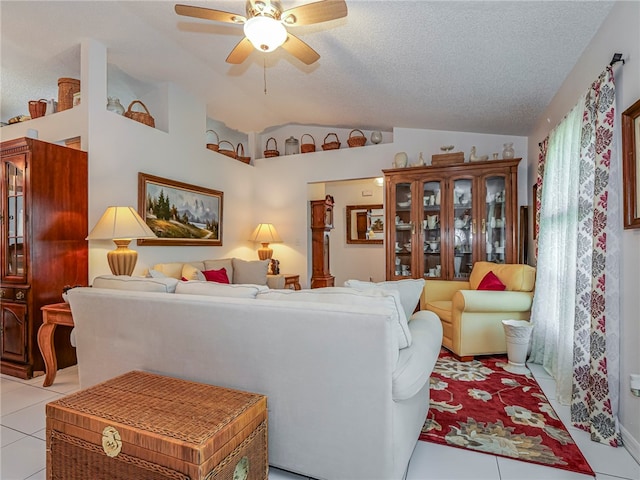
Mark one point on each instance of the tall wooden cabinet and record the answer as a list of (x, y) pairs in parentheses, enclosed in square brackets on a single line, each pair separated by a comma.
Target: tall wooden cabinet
[(440, 220), (42, 245)]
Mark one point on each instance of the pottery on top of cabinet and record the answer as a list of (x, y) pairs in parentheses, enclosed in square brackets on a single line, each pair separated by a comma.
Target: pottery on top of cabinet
[(400, 160)]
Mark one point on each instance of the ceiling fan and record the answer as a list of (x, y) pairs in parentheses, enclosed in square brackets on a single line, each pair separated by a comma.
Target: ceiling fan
[(265, 25)]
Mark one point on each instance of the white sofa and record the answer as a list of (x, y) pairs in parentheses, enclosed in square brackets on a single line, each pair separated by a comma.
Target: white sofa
[(344, 402)]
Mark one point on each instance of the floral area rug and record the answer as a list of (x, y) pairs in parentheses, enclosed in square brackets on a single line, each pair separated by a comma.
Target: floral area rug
[(480, 406)]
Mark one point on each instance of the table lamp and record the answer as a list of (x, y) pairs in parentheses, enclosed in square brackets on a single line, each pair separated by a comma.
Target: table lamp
[(265, 233), (121, 224)]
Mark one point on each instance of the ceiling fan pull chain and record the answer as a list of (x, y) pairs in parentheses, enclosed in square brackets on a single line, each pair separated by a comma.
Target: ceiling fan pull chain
[(264, 75)]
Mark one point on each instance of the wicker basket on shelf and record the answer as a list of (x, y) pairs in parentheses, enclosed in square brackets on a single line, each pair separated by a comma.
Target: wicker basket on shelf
[(240, 154), (66, 88), (228, 152), (142, 117), (271, 152), (37, 108), (308, 147), (356, 140), (334, 145), (213, 146)]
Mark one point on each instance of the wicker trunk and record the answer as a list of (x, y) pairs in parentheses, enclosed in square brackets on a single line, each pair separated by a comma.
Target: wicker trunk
[(145, 426)]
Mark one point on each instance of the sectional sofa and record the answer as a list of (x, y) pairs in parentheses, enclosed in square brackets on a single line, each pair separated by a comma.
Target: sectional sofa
[(345, 370)]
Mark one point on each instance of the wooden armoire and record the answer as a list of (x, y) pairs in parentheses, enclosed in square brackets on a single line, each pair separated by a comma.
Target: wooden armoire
[(44, 189)]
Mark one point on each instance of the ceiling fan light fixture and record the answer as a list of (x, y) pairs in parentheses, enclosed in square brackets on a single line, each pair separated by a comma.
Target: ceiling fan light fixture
[(265, 33)]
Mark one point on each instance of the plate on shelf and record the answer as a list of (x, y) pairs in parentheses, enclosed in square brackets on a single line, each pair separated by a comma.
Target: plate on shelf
[(403, 226), (404, 204)]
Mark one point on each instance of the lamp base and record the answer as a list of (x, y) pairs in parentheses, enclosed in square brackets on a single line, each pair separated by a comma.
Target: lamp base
[(122, 260), (264, 252)]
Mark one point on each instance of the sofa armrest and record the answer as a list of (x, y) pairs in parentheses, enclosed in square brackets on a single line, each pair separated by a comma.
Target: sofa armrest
[(491, 301), (415, 363), (438, 290)]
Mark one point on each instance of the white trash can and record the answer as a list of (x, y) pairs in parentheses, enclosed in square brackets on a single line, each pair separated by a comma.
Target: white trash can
[(517, 334)]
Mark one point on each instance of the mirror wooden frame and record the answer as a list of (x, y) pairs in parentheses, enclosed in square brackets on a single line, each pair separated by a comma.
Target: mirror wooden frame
[(354, 209), (631, 165)]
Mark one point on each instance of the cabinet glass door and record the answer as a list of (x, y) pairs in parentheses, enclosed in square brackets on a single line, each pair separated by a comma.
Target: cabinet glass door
[(13, 221), (494, 225), (463, 227), (404, 229), (432, 229)]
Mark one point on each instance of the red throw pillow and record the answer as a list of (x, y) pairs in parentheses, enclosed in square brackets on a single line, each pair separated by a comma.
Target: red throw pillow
[(491, 282), (219, 276)]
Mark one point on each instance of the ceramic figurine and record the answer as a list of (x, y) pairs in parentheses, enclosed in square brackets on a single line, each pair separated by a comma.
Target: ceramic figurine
[(475, 158)]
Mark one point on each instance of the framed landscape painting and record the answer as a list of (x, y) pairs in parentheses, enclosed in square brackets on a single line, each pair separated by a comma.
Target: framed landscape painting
[(179, 213)]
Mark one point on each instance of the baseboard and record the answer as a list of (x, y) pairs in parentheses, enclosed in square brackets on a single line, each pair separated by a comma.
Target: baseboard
[(631, 444)]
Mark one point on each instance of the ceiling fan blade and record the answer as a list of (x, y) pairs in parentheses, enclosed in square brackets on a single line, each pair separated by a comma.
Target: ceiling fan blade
[(210, 14), (314, 13), (300, 50), (240, 52)]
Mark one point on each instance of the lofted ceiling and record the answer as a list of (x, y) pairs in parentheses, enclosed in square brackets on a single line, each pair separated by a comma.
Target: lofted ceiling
[(474, 66)]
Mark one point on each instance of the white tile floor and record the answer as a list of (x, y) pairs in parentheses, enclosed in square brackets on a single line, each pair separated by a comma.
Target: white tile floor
[(23, 447)]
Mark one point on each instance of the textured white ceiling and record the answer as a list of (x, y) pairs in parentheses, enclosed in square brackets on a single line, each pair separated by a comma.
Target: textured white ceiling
[(486, 67)]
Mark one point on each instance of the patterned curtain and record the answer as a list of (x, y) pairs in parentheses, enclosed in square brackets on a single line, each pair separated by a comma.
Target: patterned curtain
[(537, 201), (595, 391)]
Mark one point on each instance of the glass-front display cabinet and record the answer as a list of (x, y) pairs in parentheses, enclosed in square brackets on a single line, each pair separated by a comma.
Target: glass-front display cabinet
[(445, 218)]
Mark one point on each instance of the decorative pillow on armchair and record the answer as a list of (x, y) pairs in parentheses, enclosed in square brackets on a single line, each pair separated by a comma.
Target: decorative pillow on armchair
[(491, 282)]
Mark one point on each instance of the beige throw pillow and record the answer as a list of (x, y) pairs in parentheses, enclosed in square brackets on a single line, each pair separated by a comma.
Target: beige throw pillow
[(252, 272)]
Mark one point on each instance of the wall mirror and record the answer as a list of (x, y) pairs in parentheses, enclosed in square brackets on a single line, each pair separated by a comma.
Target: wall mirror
[(365, 224), (631, 165)]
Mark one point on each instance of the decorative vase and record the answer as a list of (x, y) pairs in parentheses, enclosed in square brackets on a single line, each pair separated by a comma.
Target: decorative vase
[(457, 261), (114, 105), (376, 137), (517, 335), (508, 151), (400, 160)]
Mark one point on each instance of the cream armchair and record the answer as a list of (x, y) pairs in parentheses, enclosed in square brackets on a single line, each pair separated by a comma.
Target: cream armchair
[(472, 319)]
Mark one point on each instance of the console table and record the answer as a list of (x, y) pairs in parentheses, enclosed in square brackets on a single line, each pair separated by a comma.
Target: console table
[(52, 316)]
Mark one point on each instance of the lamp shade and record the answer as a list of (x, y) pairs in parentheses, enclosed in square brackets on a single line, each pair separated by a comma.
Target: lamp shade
[(265, 233), (265, 33), (120, 223)]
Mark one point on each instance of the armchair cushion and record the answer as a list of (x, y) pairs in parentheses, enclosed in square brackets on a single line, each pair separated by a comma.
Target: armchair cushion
[(491, 282)]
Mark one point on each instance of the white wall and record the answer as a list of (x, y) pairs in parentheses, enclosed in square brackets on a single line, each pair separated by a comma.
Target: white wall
[(354, 260), (620, 32)]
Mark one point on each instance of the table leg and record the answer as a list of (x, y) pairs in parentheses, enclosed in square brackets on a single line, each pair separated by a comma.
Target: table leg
[(45, 342)]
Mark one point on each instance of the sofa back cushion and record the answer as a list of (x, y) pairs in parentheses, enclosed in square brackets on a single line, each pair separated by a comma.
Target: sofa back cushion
[(515, 277), (252, 272), (140, 284), (219, 289), (178, 270), (350, 296), (409, 290), (219, 264)]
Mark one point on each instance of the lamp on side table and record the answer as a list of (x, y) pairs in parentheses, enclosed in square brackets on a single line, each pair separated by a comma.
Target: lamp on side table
[(121, 224)]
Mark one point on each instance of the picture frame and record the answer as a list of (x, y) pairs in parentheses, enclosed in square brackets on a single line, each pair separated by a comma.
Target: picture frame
[(365, 224), (631, 165), (179, 213)]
